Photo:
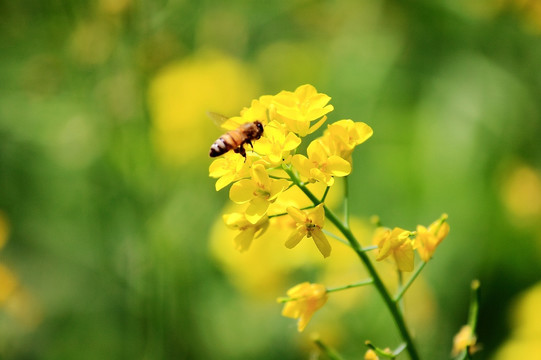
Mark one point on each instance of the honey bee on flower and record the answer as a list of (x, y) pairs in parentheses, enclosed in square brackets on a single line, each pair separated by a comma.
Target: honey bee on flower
[(236, 139)]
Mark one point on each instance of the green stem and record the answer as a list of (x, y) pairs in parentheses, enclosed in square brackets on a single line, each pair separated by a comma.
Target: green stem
[(400, 284), (325, 194), (380, 352), (346, 202), (277, 177), (285, 213), (403, 289), (351, 286), (331, 353), (472, 316), (336, 237), (340, 288), (378, 283), (474, 305)]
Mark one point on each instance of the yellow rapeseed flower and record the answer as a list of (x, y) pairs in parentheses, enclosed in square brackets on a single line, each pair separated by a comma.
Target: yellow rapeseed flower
[(299, 108), (341, 137), (258, 110), (305, 298), (427, 240), (319, 165), (463, 339), (228, 168), (248, 231), (396, 243), (276, 143), (371, 355), (260, 191), (309, 224)]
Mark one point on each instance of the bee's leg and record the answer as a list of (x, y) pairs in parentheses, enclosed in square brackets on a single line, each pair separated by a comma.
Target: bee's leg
[(241, 150), (249, 142)]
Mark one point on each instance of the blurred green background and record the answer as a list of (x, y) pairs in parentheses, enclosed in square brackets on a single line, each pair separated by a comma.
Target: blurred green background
[(107, 208)]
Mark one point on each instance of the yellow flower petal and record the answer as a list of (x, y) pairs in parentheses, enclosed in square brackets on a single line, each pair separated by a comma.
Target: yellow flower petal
[(316, 113), (242, 191), (234, 220), (404, 257), (291, 142), (338, 166), (302, 164), (244, 239), (256, 210), (371, 355), (291, 310), (363, 132), (321, 242), (276, 188), (260, 176), (263, 146), (305, 91), (224, 181), (318, 124), (275, 155), (299, 290), (317, 215), (319, 175), (306, 299), (218, 168), (298, 215), (296, 236), (316, 152)]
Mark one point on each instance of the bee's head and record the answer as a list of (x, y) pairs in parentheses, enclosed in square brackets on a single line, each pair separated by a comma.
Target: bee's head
[(259, 126)]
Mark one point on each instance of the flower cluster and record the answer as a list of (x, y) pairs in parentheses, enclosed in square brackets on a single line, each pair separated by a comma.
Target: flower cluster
[(399, 244), (261, 179), (269, 173)]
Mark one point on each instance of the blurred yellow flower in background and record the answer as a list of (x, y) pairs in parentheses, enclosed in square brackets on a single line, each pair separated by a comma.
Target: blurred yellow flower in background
[(14, 299), (521, 194), (525, 339), (306, 299), (8, 284), (248, 231), (4, 230), (182, 93)]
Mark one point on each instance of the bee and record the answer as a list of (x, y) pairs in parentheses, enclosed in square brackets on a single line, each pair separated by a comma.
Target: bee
[(237, 138)]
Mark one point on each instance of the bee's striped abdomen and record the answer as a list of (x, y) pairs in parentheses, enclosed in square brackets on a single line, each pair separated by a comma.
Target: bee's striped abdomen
[(226, 142), (235, 139), (218, 148)]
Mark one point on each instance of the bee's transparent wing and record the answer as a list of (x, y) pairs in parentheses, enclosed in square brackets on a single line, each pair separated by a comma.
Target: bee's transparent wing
[(218, 119)]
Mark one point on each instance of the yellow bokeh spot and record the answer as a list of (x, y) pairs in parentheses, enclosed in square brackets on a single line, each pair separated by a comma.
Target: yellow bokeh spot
[(521, 194), (525, 340), (8, 284), (4, 230), (182, 93)]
